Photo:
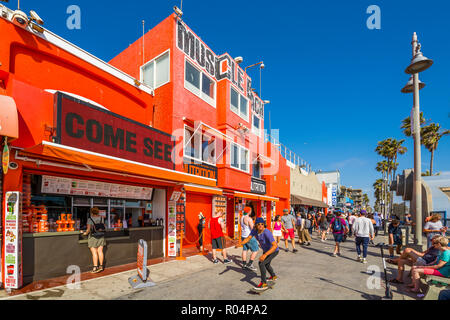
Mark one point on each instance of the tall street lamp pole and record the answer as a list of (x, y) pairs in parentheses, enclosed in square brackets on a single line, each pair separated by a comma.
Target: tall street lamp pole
[(419, 63)]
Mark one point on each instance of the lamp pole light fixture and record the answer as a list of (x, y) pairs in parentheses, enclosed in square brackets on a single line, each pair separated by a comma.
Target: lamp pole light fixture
[(261, 63), (266, 101), (238, 60), (409, 87), (418, 64)]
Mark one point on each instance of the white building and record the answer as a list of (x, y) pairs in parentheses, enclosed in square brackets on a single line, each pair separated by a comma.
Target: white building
[(332, 180)]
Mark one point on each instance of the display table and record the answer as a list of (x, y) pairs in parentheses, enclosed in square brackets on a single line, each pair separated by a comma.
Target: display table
[(48, 255)]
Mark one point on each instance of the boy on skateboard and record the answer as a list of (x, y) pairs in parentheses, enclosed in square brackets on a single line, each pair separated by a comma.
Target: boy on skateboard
[(270, 251)]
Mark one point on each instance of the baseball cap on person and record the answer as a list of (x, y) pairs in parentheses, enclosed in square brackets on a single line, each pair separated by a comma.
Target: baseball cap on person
[(259, 220)]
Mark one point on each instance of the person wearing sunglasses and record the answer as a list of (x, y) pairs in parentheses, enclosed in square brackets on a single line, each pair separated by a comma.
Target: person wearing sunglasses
[(270, 251)]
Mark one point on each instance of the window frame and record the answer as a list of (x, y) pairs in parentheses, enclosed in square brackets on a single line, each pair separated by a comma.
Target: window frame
[(246, 118), (154, 72), (212, 102), (240, 150), (200, 159), (255, 130)]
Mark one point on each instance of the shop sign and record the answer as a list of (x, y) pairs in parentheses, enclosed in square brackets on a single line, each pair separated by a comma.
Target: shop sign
[(88, 127), (258, 186), (172, 225), (218, 67), (201, 170), (68, 186), (13, 241)]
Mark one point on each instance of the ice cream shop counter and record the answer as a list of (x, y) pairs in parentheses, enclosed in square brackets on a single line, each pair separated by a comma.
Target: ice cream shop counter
[(47, 255)]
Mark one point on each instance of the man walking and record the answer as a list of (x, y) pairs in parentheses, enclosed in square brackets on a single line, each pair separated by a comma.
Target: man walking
[(218, 239), (252, 246), (364, 232), (351, 221), (270, 251), (288, 222)]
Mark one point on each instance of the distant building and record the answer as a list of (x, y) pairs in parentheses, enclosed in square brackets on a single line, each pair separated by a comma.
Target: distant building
[(332, 180)]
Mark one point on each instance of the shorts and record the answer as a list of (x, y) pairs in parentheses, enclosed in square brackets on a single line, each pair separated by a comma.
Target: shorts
[(96, 242), (277, 233), (289, 233), (218, 243), (338, 237), (420, 262), (252, 245), (432, 272)]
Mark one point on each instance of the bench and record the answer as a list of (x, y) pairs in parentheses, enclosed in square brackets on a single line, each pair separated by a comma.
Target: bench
[(435, 285)]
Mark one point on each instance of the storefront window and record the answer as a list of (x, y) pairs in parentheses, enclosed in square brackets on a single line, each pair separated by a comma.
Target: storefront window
[(63, 213)]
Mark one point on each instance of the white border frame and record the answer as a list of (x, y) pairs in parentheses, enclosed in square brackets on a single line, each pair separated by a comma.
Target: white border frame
[(201, 145), (200, 95), (141, 73), (232, 87), (240, 148)]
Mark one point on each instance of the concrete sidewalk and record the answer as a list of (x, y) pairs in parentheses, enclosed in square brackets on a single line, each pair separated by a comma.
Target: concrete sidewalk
[(312, 266)]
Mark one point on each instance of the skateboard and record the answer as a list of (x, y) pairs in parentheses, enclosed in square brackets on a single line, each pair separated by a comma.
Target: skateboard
[(270, 285)]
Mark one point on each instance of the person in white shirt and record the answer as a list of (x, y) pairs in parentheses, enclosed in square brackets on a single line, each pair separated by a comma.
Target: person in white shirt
[(364, 232)]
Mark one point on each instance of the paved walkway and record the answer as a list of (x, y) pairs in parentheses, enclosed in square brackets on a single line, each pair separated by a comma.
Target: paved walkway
[(311, 273)]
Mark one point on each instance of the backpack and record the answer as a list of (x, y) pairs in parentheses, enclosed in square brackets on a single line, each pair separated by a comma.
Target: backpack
[(298, 222), (307, 223), (337, 225)]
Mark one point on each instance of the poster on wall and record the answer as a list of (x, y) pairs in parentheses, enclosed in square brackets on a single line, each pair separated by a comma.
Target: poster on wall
[(220, 206), (13, 241), (172, 229)]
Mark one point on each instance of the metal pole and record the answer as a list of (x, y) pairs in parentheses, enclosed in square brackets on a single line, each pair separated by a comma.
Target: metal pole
[(417, 188)]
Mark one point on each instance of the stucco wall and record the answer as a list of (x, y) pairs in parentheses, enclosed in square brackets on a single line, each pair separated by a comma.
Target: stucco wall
[(305, 186)]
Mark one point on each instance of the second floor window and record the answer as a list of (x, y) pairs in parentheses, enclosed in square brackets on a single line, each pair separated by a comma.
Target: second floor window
[(156, 73), (200, 84), (199, 147), (239, 104), (239, 158)]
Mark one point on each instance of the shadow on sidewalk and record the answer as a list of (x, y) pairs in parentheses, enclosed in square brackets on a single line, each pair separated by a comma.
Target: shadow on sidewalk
[(363, 294)]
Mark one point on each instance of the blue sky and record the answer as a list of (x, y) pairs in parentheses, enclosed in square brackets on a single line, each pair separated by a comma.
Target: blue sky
[(334, 85)]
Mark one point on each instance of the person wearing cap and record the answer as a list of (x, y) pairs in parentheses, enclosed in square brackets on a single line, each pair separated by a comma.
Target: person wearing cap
[(246, 228), (270, 251), (288, 223), (364, 232)]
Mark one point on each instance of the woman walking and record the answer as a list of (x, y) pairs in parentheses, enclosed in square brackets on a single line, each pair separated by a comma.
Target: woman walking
[(96, 239), (323, 225), (277, 229)]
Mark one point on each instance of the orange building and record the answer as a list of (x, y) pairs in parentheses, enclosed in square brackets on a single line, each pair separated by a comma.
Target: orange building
[(152, 138)]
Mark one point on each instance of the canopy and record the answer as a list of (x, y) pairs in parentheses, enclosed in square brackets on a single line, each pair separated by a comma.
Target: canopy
[(295, 199)]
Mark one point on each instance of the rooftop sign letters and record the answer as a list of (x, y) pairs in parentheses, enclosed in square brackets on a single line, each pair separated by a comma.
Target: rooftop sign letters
[(84, 126), (218, 67)]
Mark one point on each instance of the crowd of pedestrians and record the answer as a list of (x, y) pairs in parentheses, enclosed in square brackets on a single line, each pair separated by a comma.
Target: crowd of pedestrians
[(361, 225)]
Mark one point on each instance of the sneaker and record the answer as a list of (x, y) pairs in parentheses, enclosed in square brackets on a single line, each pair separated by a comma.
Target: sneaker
[(334, 255), (226, 261), (364, 260), (309, 243), (295, 250), (251, 267), (273, 279), (358, 259), (261, 287), (216, 261)]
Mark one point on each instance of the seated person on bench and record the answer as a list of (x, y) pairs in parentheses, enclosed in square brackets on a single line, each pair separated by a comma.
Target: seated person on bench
[(412, 257), (441, 269)]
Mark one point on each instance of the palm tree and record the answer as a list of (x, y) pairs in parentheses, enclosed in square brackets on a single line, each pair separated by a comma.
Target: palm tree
[(390, 149), (406, 125), (365, 200), (430, 139)]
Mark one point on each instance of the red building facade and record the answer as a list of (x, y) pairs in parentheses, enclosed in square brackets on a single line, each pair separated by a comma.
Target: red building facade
[(144, 137)]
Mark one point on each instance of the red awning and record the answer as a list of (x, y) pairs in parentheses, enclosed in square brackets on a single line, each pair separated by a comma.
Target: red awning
[(9, 119)]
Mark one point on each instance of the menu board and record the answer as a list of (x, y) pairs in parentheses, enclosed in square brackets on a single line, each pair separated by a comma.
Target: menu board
[(181, 216), (77, 187), (172, 229), (13, 241), (220, 206)]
